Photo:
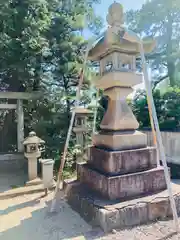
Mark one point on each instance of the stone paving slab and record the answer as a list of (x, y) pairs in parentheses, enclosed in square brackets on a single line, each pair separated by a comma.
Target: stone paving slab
[(13, 185), (22, 191)]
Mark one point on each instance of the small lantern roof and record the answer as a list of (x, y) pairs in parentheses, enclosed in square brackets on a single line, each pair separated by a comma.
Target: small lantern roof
[(118, 38), (82, 111), (33, 139)]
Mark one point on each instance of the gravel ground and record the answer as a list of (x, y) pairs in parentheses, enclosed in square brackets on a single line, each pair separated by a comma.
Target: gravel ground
[(27, 217)]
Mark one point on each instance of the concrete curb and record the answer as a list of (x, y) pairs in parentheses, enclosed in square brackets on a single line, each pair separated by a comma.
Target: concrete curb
[(22, 191)]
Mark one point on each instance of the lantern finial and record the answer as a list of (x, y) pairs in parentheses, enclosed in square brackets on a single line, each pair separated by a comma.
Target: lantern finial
[(115, 15), (32, 134)]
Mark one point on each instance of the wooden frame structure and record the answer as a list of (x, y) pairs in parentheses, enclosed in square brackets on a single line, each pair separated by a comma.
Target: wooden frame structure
[(19, 96)]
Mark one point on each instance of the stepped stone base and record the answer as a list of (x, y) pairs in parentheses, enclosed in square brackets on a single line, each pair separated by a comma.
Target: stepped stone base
[(114, 214), (122, 186), (121, 162), (120, 140)]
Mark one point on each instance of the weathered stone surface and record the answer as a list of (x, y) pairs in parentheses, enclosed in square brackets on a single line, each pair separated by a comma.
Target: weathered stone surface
[(119, 115), (158, 209), (120, 141), (177, 201), (112, 214), (123, 186), (81, 203), (121, 162), (128, 79), (108, 219), (125, 217)]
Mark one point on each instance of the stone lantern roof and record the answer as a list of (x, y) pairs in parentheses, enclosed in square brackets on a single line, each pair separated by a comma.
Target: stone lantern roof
[(82, 111), (117, 37), (33, 139)]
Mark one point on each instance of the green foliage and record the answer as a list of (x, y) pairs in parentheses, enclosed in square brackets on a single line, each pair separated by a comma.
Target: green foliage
[(167, 107), (171, 109), (42, 48), (22, 42), (160, 19), (140, 108)]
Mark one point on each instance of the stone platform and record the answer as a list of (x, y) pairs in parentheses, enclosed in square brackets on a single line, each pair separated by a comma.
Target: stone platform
[(115, 214), (122, 186), (121, 162)]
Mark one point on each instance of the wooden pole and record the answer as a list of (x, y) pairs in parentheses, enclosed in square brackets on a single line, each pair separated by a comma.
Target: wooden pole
[(153, 130), (20, 125), (158, 137), (63, 160)]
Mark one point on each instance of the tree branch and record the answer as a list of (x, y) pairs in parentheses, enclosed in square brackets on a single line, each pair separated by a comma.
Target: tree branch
[(158, 81)]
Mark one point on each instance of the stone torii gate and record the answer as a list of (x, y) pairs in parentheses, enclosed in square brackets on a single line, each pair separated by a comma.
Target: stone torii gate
[(19, 96)]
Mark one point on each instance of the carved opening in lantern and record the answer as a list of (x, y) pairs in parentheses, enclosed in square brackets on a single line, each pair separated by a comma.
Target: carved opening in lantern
[(109, 66)]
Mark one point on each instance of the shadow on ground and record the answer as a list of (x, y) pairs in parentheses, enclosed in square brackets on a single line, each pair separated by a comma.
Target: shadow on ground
[(65, 224), (19, 206)]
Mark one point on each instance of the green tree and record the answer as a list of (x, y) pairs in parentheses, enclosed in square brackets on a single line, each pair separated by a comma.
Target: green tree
[(171, 109), (167, 108), (42, 47), (22, 25), (61, 73), (160, 19)]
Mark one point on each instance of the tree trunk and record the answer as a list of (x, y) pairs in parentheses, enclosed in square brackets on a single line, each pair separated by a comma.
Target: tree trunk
[(171, 72)]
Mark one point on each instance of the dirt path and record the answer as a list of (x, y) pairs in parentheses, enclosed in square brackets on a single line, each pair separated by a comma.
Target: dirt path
[(27, 218)]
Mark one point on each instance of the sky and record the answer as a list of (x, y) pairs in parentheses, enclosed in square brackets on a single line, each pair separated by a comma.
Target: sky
[(102, 9)]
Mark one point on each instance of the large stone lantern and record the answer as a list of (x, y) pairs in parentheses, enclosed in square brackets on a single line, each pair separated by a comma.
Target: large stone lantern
[(121, 166), (33, 147)]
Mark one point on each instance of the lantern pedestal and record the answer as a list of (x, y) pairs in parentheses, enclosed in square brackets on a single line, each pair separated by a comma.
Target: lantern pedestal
[(120, 140), (118, 127), (32, 168)]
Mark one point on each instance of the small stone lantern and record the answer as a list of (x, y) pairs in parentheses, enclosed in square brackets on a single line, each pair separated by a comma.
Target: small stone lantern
[(81, 129), (33, 147)]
